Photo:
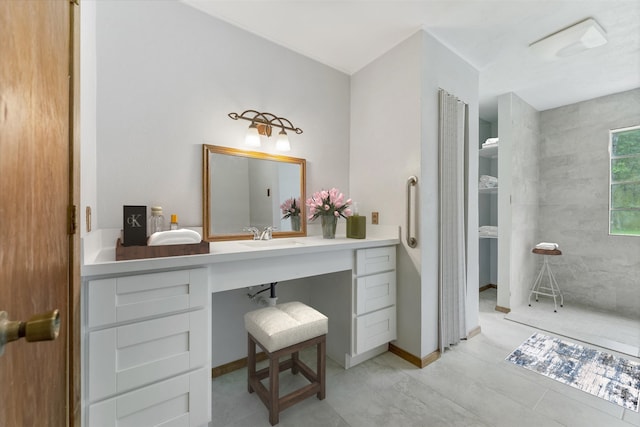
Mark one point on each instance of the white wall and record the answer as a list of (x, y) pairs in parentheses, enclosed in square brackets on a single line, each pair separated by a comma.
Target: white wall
[(394, 108), (385, 151), (444, 69), (88, 187), (168, 75)]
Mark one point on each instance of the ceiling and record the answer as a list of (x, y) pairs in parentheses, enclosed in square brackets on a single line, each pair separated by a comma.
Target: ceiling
[(491, 35)]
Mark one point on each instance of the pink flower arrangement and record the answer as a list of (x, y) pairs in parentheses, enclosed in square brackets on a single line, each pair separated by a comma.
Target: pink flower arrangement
[(290, 207), (328, 203)]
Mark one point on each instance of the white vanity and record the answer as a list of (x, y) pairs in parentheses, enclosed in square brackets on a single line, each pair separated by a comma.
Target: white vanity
[(146, 324)]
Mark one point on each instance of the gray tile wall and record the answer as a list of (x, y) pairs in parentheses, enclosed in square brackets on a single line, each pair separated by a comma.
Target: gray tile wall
[(595, 269), (525, 139)]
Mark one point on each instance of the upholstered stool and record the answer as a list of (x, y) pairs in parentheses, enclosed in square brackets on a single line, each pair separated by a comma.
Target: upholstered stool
[(284, 330), (553, 290)]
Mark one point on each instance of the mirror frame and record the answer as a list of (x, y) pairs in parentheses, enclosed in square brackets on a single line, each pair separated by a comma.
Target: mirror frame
[(207, 150)]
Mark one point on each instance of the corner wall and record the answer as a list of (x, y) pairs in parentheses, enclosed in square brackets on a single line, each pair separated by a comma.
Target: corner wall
[(442, 68), (519, 132), (596, 269), (394, 109), (385, 151)]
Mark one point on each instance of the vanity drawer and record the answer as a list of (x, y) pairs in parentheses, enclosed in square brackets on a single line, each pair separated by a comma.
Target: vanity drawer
[(130, 356), (129, 298), (375, 329), (375, 260), (181, 401), (375, 292)]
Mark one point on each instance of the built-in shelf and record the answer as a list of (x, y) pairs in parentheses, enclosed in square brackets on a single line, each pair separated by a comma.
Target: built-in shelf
[(488, 214), (493, 190), (489, 152)]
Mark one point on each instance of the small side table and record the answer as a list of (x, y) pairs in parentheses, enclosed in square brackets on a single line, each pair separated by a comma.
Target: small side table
[(552, 289)]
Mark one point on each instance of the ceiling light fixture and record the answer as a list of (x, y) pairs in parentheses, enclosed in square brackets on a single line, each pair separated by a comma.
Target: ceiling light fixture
[(577, 38), (261, 124)]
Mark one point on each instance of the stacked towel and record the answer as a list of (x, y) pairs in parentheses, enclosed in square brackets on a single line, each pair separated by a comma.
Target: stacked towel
[(487, 181), (490, 142), (547, 246), (488, 230)]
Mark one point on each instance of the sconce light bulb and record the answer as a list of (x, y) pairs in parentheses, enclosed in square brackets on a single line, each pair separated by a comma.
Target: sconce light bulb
[(252, 139), (282, 143)]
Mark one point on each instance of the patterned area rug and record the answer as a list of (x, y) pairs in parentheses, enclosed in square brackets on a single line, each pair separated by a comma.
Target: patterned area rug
[(596, 372)]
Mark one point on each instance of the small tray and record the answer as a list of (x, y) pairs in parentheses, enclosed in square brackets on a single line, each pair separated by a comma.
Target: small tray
[(124, 253)]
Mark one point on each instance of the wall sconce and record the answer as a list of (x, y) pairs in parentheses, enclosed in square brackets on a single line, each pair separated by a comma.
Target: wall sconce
[(261, 124)]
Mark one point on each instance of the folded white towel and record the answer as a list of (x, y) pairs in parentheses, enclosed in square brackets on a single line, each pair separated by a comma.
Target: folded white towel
[(488, 178), (547, 246), (488, 230), (491, 142), (487, 181), (182, 236)]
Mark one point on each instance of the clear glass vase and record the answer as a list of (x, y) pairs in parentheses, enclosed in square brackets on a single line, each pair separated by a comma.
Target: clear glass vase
[(295, 222), (329, 226)]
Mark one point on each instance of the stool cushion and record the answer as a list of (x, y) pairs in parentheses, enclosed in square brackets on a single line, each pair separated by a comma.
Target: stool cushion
[(285, 324)]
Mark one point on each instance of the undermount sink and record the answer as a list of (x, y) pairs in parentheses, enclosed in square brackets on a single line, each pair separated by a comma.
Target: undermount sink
[(273, 243)]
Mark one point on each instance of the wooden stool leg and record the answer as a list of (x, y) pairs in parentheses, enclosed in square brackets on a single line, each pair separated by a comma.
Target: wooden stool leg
[(271, 396), (321, 367), (274, 397), (251, 361)]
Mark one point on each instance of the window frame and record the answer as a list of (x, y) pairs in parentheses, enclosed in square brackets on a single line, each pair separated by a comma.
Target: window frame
[(611, 183)]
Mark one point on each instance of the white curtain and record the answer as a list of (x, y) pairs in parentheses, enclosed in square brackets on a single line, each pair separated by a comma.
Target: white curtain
[(452, 237)]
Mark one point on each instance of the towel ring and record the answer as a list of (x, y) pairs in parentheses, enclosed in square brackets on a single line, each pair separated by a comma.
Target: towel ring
[(412, 242)]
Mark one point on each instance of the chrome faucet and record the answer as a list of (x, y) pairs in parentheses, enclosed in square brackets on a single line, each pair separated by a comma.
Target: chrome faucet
[(267, 233), (255, 231)]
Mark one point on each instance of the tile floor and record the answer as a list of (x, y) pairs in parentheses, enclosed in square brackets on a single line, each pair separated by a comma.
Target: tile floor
[(471, 385), (602, 329)]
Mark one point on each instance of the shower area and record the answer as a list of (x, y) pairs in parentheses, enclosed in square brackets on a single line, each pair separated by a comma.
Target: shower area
[(553, 183)]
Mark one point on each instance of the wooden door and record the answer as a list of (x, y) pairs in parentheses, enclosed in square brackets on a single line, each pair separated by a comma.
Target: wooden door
[(37, 187)]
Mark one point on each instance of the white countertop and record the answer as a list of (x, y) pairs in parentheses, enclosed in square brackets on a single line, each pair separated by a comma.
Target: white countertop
[(98, 250)]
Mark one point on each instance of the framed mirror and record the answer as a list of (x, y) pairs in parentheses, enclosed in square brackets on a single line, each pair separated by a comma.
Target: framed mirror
[(249, 189)]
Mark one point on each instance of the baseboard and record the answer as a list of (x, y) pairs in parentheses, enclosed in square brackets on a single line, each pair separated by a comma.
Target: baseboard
[(235, 365), (414, 360), (487, 286), (351, 361), (475, 331), (502, 309)]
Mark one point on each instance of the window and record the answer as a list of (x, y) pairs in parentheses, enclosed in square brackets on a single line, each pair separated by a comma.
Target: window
[(624, 198)]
